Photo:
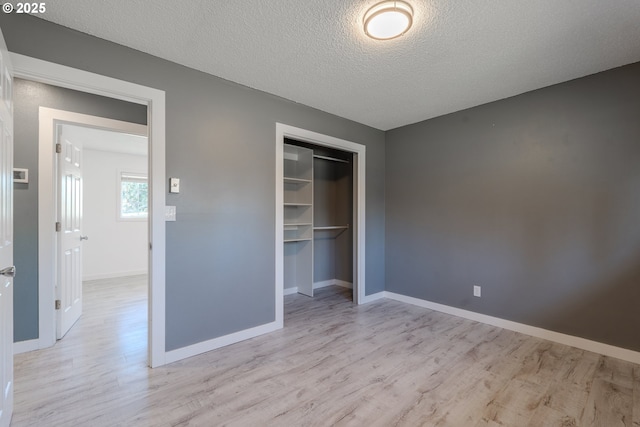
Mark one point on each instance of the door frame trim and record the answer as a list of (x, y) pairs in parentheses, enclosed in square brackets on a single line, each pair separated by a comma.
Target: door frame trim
[(59, 75), (359, 172)]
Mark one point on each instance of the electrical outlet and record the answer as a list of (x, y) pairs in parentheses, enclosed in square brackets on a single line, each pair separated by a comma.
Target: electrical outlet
[(477, 291)]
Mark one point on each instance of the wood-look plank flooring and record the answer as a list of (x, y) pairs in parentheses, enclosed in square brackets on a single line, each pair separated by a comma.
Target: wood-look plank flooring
[(334, 363)]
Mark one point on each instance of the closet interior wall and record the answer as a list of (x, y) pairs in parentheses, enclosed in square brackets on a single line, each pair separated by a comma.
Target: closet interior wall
[(333, 256)]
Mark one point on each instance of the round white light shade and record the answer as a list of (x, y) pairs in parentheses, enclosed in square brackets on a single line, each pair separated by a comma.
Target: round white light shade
[(388, 20)]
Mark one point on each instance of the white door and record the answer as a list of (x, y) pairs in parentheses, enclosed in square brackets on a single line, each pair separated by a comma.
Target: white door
[(69, 288), (6, 237)]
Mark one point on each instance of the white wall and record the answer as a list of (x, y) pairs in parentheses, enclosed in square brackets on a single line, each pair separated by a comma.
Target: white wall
[(115, 248)]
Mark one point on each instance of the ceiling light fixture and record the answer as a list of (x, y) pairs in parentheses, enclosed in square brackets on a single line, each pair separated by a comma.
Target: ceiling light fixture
[(388, 20)]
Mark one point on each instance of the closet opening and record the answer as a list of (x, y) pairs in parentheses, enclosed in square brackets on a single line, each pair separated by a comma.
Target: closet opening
[(318, 218), (294, 226)]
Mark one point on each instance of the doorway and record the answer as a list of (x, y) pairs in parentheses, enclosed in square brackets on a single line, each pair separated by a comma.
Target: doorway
[(108, 239), (45, 72), (65, 132)]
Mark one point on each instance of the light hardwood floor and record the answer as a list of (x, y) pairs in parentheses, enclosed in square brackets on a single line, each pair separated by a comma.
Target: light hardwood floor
[(381, 364)]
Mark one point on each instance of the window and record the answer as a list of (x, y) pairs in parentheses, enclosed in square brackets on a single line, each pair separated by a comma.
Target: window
[(133, 203)]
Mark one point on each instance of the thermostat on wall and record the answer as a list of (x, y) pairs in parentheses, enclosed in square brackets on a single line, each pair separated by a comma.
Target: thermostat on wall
[(21, 175), (174, 185)]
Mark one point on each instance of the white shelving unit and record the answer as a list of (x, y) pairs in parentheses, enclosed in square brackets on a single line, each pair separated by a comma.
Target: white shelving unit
[(298, 218)]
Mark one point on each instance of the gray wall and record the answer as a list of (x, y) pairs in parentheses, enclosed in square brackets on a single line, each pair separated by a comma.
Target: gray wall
[(221, 143), (28, 98), (536, 198)]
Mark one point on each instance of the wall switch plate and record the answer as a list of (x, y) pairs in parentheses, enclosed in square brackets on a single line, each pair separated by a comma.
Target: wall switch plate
[(169, 213), (477, 291), (174, 185)]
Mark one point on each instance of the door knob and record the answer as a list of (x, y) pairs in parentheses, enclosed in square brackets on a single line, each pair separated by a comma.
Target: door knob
[(84, 237), (9, 271)]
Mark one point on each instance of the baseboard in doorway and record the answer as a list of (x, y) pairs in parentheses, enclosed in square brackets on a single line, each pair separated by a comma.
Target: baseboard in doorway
[(333, 282), (373, 297), (319, 285), (26, 346), (114, 275)]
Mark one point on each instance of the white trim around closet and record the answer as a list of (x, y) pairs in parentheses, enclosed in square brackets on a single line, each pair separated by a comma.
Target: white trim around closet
[(359, 170)]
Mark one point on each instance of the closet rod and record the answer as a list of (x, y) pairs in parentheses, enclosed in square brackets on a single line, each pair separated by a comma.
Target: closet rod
[(332, 227), (333, 159)]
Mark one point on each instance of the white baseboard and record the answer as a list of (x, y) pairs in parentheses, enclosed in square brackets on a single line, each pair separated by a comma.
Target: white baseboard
[(581, 343), (205, 346), (113, 275), (324, 284), (333, 282), (343, 284), (570, 340), (26, 346), (373, 297)]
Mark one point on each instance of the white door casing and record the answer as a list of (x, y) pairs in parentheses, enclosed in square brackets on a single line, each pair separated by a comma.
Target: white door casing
[(60, 75), (6, 237), (69, 198)]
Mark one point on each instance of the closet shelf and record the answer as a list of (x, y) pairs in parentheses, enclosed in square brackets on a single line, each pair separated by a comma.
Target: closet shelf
[(297, 204), (293, 226), (298, 240), (290, 156)]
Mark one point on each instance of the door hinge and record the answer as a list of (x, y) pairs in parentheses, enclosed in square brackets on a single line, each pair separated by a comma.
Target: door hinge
[(58, 304), (58, 148), (58, 226)]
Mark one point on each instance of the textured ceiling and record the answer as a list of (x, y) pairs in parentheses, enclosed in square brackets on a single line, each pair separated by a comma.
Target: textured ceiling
[(457, 55)]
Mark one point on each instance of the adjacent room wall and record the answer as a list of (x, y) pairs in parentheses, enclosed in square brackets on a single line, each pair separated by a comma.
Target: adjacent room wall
[(115, 247), (28, 98), (220, 252), (535, 198)]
